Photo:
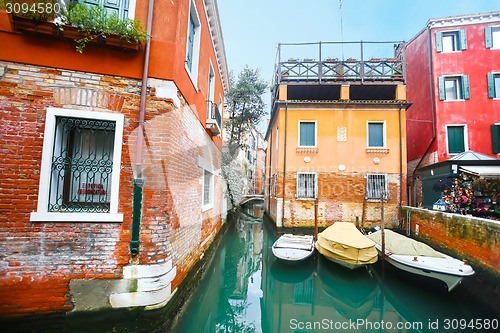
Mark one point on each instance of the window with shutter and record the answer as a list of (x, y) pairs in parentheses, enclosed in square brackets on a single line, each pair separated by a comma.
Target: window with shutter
[(456, 139), (118, 7), (454, 88), (451, 41), (492, 37), (307, 134), (495, 139), (493, 85), (376, 135), (193, 43)]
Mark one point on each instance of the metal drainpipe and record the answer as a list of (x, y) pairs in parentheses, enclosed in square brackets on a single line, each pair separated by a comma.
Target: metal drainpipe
[(138, 179), (400, 164), (433, 109), (270, 171), (284, 167)]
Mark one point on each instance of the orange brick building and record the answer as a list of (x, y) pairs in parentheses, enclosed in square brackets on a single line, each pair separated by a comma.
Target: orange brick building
[(336, 134), (110, 159)]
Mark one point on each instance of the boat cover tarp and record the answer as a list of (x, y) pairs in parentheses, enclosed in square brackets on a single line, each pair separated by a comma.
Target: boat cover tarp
[(295, 242), (344, 242), (402, 245)]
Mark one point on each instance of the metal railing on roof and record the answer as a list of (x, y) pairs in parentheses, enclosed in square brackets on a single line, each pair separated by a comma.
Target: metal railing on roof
[(322, 68)]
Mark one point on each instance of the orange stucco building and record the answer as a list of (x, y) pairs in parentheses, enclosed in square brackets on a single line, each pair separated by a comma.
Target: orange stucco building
[(110, 158), (337, 134)]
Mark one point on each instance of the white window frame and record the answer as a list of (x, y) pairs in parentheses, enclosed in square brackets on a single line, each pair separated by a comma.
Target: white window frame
[(496, 75), (211, 89), (299, 173), (383, 122), (315, 133), (206, 165), (466, 138), (459, 89), (456, 37), (495, 30), (210, 203), (386, 186), (193, 72), (42, 214)]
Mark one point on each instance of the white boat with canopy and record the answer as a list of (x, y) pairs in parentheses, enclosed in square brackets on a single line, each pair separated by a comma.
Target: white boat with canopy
[(416, 257)]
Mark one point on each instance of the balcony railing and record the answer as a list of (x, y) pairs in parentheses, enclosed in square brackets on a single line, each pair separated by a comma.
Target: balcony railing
[(323, 69), (386, 69), (214, 119)]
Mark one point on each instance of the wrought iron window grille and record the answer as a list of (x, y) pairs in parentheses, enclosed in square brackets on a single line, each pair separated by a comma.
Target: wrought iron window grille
[(82, 165)]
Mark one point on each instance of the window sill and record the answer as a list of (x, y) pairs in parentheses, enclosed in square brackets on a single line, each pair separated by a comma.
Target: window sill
[(454, 100), (307, 150), (377, 150), (300, 198), (75, 217), (207, 207)]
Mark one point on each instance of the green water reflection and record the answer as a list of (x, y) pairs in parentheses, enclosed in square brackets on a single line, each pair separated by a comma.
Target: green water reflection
[(248, 290)]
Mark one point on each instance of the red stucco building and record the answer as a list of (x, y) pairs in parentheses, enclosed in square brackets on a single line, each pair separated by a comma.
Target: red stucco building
[(453, 81), (110, 181)]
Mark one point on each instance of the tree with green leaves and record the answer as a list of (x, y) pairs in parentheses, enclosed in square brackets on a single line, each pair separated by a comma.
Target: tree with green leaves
[(245, 105), (246, 108)]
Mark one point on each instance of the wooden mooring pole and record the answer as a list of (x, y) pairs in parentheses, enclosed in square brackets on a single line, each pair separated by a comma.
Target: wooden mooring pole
[(382, 220), (316, 219)]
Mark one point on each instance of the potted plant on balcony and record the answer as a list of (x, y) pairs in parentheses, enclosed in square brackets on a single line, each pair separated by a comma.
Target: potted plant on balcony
[(30, 19), (95, 26), (85, 25), (351, 60)]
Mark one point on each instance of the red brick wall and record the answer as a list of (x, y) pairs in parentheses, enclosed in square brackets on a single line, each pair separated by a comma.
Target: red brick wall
[(340, 198), (474, 239), (38, 259)]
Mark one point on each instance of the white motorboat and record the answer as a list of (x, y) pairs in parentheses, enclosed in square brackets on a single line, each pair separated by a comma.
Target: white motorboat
[(343, 244), (293, 247), (418, 258)]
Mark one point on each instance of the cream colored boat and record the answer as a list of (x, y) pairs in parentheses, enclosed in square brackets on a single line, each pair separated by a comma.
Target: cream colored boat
[(342, 243)]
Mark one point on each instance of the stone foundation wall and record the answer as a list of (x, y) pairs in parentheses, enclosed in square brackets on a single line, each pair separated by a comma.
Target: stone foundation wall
[(475, 239)]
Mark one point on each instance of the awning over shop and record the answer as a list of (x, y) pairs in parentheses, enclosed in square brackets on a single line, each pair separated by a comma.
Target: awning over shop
[(485, 171)]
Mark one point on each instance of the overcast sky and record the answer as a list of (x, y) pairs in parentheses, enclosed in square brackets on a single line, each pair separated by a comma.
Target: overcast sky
[(252, 29)]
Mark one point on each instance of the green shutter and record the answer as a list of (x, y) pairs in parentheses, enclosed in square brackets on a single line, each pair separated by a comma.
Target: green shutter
[(488, 41), (442, 91), (465, 87), (307, 134), (495, 139), (439, 41), (456, 139), (463, 39), (375, 135), (491, 85)]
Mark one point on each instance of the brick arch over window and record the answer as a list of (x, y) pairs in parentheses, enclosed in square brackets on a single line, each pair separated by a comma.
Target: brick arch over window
[(89, 97)]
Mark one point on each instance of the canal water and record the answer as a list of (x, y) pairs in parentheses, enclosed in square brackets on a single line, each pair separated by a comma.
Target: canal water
[(248, 290)]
